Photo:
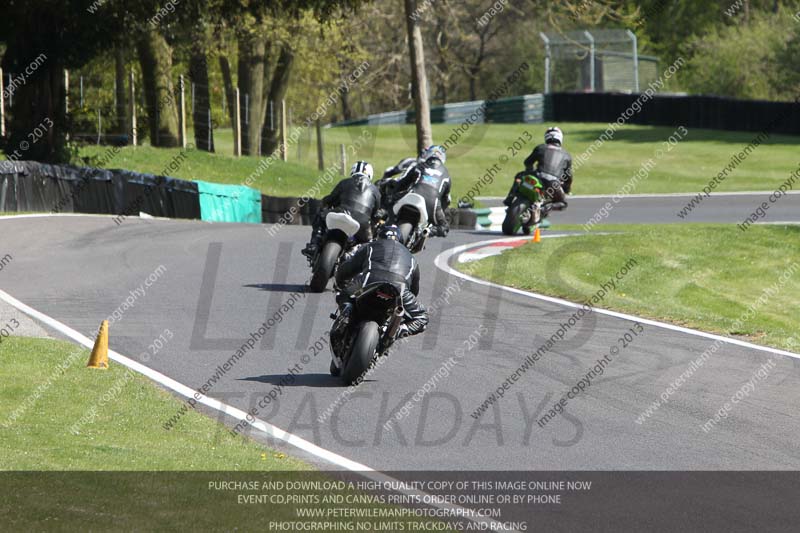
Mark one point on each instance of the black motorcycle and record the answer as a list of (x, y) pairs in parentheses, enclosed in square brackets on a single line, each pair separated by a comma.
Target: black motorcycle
[(363, 328), (338, 239)]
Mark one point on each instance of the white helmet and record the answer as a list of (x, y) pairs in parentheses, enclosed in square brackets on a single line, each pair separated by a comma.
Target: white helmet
[(554, 135), (361, 168)]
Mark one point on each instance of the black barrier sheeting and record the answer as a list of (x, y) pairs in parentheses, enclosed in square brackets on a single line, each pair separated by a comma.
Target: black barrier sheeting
[(695, 111), (40, 187), (30, 186), (288, 210), (183, 198), (400, 501)]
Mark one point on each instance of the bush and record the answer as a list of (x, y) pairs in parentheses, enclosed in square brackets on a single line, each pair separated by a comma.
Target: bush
[(746, 60)]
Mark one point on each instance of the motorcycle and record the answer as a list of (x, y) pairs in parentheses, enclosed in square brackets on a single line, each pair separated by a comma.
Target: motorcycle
[(411, 218), (526, 210), (338, 238), (363, 328)]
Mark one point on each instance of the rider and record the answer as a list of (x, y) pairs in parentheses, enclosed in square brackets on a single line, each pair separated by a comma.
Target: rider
[(399, 168), (553, 168), (385, 260), (430, 179), (356, 195)]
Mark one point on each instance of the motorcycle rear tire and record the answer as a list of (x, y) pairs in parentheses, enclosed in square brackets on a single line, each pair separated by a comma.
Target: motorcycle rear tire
[(513, 215), (406, 228), (363, 352), (323, 268)]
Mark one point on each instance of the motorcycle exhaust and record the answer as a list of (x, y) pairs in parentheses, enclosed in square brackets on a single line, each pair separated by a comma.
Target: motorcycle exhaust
[(425, 232), (397, 319)]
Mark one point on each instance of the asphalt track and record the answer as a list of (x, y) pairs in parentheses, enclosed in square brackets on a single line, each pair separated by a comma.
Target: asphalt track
[(221, 281)]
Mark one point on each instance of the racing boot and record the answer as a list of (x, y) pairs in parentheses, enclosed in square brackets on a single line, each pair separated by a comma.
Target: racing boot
[(511, 194), (311, 249)]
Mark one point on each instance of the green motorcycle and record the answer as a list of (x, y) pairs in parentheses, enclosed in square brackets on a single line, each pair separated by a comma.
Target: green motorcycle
[(526, 210)]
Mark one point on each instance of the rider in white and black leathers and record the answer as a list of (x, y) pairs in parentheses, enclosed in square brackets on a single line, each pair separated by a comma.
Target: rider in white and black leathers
[(430, 179), (358, 196), (553, 168), (386, 260), (399, 168)]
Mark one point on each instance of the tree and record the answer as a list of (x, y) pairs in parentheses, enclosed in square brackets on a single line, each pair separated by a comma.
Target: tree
[(277, 92), (419, 80), (155, 57), (46, 37)]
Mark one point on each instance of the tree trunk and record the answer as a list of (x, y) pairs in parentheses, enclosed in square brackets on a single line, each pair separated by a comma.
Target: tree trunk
[(201, 109), (277, 92), (227, 82), (442, 44), (155, 56), (472, 72), (347, 114), (419, 81), (252, 55), (39, 108), (122, 102)]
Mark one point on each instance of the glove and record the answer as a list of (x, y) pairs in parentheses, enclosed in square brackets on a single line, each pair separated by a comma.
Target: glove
[(440, 231)]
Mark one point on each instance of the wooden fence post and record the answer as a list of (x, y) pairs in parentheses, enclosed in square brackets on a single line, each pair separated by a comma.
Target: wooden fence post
[(182, 117), (237, 124), (134, 133), (284, 155), (2, 106), (320, 154)]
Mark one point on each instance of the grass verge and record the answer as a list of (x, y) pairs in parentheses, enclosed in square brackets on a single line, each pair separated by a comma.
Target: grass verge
[(119, 469), (703, 276), (47, 390), (686, 168)]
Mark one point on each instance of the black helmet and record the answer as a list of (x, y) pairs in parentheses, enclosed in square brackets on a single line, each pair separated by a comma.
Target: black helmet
[(389, 232)]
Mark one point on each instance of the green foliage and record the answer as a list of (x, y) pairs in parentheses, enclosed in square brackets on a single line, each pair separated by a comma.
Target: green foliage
[(741, 60)]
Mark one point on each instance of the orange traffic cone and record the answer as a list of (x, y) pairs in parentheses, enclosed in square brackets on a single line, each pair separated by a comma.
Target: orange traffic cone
[(537, 237), (99, 357)]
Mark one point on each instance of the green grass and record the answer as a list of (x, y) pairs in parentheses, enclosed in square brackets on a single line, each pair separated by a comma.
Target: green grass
[(127, 432), (123, 471), (702, 276), (686, 168)]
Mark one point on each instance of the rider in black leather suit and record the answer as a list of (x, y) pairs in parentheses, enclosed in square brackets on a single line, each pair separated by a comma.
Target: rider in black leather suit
[(431, 180), (356, 195), (386, 260), (553, 168)]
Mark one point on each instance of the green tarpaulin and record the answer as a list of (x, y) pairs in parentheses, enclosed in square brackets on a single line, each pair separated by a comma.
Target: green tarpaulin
[(229, 203)]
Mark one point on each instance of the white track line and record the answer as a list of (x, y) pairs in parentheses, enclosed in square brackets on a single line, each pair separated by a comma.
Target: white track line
[(265, 427), (442, 262)]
